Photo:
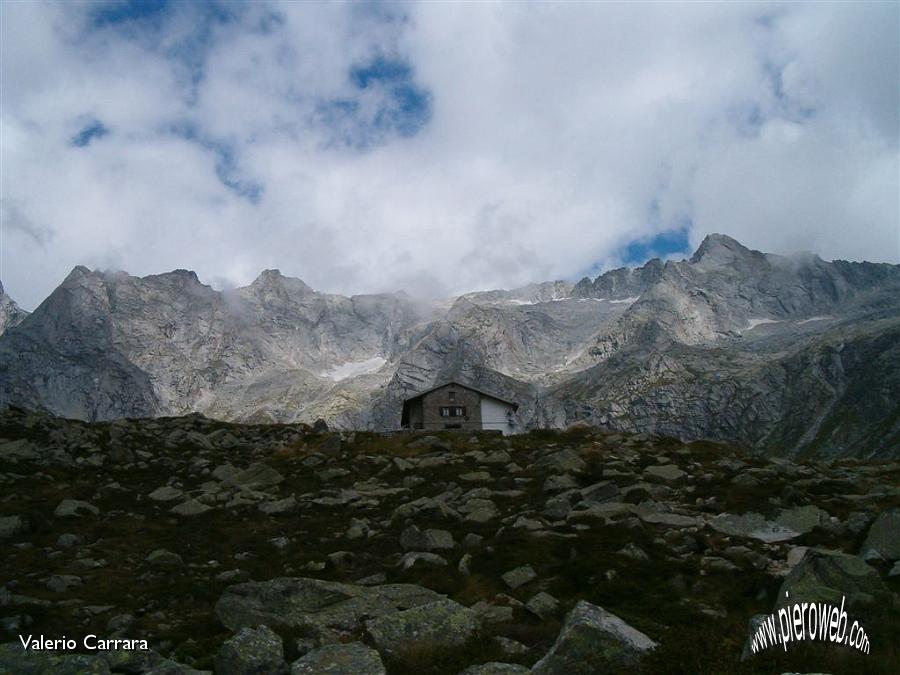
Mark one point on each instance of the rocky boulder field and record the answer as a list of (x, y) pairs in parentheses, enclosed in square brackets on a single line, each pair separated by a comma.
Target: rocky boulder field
[(242, 549)]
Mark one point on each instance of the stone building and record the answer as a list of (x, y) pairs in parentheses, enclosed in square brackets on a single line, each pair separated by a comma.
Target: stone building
[(457, 406)]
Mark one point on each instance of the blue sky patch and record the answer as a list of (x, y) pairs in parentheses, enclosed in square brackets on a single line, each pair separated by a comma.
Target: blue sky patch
[(88, 133), (121, 11), (638, 251), (380, 70), (658, 246), (147, 21), (403, 106)]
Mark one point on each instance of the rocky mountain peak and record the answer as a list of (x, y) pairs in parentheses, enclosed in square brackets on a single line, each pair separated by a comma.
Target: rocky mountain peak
[(77, 275), (187, 275), (720, 250), (272, 281), (621, 283)]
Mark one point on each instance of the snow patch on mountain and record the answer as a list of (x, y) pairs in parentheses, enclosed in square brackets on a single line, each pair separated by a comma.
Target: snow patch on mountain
[(753, 323), (350, 369)]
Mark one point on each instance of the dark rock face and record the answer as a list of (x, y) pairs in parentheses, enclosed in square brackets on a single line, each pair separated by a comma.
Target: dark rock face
[(791, 355)]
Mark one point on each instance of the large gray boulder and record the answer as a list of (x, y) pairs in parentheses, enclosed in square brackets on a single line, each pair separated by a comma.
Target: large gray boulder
[(828, 576), (353, 658), (593, 641), (253, 651), (665, 473), (752, 526), (883, 540), (436, 627), (326, 610), (802, 519)]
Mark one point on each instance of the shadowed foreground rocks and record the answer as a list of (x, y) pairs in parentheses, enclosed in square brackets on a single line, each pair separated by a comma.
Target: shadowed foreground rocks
[(251, 549)]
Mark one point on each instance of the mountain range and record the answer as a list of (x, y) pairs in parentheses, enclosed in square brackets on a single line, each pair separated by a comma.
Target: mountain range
[(790, 355)]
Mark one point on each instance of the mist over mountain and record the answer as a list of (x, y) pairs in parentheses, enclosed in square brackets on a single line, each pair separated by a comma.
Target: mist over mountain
[(792, 355)]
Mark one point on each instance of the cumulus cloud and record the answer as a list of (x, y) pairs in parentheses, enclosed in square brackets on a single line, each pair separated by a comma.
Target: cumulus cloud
[(442, 147)]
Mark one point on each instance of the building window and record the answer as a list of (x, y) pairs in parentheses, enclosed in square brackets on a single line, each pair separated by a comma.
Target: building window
[(453, 411), (452, 396)]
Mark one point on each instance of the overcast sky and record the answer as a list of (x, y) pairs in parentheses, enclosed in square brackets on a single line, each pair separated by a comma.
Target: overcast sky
[(440, 148)]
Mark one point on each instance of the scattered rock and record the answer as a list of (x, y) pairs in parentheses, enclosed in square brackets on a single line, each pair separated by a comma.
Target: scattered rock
[(558, 483), (668, 519), (593, 641), (10, 526), (883, 539), (325, 609), (349, 658), (603, 491), (17, 661), (59, 583), (519, 576), (412, 558), (510, 647), (273, 508), (564, 461), (827, 576), (633, 551), (543, 605), (438, 626), (257, 476), (72, 507), (253, 651), (479, 510), (191, 507), (496, 668), (475, 476), (165, 559), (752, 526), (69, 540), (802, 519), (414, 539), (666, 473), (166, 493)]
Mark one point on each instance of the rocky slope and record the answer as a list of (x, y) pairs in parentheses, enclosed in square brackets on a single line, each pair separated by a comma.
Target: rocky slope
[(792, 355), (245, 548), (10, 313)]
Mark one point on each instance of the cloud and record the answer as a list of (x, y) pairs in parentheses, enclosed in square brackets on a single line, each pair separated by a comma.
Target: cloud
[(440, 147)]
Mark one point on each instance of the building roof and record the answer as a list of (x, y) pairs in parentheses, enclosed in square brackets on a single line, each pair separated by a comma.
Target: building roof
[(463, 386)]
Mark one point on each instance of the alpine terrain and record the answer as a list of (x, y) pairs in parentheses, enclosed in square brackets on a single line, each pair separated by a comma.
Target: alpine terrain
[(790, 355)]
